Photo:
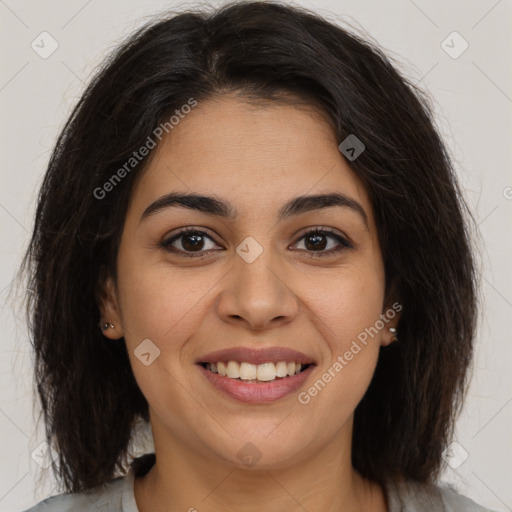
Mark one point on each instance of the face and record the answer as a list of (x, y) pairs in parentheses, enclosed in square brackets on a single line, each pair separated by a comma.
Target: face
[(308, 278)]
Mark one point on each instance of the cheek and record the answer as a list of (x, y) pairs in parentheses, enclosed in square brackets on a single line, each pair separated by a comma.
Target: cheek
[(163, 304), (347, 312), (165, 307), (347, 303)]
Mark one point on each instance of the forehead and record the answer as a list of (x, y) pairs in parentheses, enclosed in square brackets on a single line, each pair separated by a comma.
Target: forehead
[(255, 155)]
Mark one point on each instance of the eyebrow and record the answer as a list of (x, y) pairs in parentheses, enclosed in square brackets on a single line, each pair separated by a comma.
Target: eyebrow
[(221, 208)]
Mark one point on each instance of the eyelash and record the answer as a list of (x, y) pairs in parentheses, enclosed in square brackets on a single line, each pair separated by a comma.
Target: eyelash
[(166, 244)]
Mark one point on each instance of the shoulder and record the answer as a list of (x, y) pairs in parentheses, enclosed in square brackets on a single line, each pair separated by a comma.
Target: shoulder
[(419, 497), (105, 498), (456, 502)]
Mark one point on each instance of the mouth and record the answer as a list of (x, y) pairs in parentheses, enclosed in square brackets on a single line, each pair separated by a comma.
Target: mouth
[(256, 373), (256, 376)]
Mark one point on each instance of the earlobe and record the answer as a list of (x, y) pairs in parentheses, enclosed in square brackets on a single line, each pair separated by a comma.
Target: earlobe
[(392, 311), (110, 321), (389, 336)]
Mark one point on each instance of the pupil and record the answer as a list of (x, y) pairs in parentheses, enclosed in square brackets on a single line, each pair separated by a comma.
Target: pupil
[(317, 238), (196, 241)]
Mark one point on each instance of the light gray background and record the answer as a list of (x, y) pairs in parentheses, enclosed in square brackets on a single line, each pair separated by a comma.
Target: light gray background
[(473, 99)]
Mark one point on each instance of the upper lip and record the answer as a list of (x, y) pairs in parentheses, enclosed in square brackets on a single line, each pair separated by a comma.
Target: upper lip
[(256, 356)]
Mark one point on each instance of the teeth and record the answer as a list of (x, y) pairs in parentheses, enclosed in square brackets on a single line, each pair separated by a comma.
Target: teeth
[(247, 371), (282, 369), (221, 368), (266, 371), (233, 370)]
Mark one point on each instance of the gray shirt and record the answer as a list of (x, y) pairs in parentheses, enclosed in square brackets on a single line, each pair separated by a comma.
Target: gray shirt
[(118, 496)]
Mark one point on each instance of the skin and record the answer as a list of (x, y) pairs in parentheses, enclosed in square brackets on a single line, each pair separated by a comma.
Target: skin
[(257, 158)]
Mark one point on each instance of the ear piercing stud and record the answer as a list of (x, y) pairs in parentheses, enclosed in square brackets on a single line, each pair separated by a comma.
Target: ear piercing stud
[(106, 326), (393, 331)]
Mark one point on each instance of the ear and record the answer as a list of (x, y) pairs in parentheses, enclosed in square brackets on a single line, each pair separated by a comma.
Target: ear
[(106, 296), (391, 314)]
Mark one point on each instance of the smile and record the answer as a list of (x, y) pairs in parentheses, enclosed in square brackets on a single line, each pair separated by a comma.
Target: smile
[(255, 373), (268, 386)]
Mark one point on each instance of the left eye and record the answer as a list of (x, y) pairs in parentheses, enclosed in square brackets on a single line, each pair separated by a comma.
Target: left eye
[(193, 241), (316, 241)]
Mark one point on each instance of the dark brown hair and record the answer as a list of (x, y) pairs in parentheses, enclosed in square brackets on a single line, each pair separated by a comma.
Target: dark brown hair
[(261, 50)]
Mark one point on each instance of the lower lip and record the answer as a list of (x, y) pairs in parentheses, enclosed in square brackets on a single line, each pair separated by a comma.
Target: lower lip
[(257, 393)]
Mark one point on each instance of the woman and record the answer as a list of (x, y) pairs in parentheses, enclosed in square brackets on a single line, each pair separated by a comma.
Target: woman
[(250, 236)]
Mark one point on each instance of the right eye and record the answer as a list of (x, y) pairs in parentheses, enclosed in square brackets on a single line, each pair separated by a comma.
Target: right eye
[(191, 241)]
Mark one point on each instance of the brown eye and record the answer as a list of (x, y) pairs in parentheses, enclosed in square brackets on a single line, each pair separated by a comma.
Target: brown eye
[(317, 241), (192, 241), (189, 241)]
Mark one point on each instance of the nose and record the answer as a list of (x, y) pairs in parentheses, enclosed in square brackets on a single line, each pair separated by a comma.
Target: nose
[(258, 294)]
